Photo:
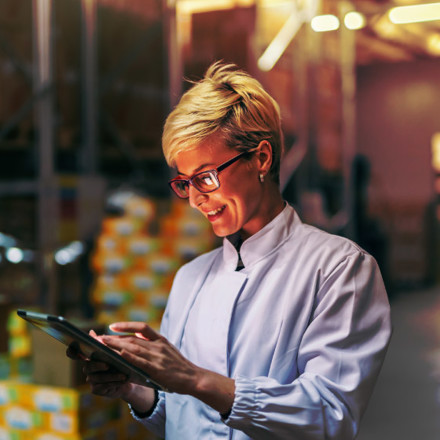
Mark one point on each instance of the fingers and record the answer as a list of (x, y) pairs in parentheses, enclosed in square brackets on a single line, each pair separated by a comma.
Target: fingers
[(124, 344), (101, 373), (109, 385), (93, 334), (139, 328), (95, 367), (106, 378), (74, 352), (135, 350)]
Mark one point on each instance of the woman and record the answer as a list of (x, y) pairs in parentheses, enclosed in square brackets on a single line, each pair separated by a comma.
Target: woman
[(278, 334)]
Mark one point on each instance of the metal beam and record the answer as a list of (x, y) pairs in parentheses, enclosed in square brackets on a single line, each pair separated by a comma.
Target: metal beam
[(348, 85), (89, 118), (47, 212)]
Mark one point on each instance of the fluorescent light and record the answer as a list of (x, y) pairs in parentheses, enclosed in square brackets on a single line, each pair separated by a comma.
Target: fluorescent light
[(279, 44), (354, 20), (415, 13), (325, 23), (193, 6)]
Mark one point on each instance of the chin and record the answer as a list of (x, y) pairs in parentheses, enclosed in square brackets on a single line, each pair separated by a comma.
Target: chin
[(223, 232)]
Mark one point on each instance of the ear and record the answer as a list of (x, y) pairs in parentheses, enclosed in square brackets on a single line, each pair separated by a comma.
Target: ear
[(264, 157)]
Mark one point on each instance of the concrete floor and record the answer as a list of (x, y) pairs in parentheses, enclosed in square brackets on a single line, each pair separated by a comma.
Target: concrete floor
[(406, 401)]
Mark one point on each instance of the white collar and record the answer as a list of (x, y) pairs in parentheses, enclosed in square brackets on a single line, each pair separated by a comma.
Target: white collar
[(265, 241)]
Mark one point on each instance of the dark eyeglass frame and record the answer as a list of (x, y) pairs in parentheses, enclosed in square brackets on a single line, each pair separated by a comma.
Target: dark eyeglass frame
[(214, 172)]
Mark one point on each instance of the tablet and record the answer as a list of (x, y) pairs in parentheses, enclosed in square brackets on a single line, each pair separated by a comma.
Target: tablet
[(87, 346)]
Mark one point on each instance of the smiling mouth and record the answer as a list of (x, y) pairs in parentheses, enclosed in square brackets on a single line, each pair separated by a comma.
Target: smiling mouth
[(215, 212)]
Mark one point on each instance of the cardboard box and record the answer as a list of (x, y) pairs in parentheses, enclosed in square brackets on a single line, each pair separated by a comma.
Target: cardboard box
[(14, 434), (65, 412), (20, 418)]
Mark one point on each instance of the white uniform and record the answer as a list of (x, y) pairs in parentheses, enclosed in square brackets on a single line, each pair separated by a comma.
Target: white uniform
[(303, 330)]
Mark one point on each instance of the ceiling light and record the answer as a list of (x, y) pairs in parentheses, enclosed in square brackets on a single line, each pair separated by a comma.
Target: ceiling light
[(325, 23), (279, 44), (415, 13), (194, 6), (354, 20)]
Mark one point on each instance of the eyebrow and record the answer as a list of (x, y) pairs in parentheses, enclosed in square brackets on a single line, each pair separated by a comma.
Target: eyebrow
[(197, 169)]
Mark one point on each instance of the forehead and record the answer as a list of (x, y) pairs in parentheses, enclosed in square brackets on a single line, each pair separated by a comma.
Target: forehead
[(207, 154)]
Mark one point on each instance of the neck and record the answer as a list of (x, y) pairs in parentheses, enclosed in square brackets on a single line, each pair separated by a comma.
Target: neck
[(272, 203)]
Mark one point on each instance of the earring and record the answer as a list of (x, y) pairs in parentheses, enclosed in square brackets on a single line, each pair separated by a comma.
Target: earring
[(261, 177)]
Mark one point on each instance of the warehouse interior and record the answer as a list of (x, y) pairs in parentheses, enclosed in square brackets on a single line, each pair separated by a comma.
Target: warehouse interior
[(90, 230)]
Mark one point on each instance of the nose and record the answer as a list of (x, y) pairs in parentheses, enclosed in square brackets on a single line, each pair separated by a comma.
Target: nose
[(196, 198)]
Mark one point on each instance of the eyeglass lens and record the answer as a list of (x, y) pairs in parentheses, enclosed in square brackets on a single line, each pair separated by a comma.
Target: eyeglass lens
[(204, 182)]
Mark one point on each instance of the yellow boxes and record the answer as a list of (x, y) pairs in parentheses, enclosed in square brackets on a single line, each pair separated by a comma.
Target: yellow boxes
[(65, 412)]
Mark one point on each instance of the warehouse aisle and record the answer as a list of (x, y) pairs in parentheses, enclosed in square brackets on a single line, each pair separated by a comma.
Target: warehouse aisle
[(406, 401)]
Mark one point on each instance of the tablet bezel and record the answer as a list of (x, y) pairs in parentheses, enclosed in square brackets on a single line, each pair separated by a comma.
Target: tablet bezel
[(67, 333)]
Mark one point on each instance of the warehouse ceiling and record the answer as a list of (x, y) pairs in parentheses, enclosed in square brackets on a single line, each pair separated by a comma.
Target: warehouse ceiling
[(379, 40), (382, 40)]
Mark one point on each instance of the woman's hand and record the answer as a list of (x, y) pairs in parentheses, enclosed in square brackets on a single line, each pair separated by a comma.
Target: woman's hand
[(152, 353), (103, 380), (109, 383), (155, 355)]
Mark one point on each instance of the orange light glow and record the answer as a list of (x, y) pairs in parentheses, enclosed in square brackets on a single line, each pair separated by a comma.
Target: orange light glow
[(435, 145)]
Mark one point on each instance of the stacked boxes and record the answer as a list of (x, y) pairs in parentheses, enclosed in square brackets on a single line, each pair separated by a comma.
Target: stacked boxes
[(134, 267), (18, 357), (186, 231), (33, 412), (30, 411)]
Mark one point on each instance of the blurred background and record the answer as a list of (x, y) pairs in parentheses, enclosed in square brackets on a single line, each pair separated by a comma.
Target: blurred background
[(89, 229)]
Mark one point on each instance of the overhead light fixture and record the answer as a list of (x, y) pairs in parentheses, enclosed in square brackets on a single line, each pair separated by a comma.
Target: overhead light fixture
[(193, 6), (325, 23), (287, 33), (354, 20), (279, 44), (414, 13)]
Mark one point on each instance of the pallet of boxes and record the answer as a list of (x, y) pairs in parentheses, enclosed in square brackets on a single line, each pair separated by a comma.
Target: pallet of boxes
[(43, 394), (51, 401)]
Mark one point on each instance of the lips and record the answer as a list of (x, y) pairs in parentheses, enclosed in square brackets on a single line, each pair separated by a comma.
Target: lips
[(213, 214)]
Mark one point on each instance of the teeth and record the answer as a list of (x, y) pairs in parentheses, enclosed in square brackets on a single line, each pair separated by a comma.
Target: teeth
[(216, 211)]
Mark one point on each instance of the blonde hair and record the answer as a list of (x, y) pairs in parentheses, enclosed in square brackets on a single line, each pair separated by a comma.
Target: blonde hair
[(229, 103)]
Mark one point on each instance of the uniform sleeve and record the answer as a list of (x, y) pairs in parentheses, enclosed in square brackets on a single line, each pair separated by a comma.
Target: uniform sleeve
[(156, 421), (338, 362)]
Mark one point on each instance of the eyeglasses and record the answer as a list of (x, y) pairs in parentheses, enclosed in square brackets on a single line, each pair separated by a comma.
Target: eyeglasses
[(205, 181)]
